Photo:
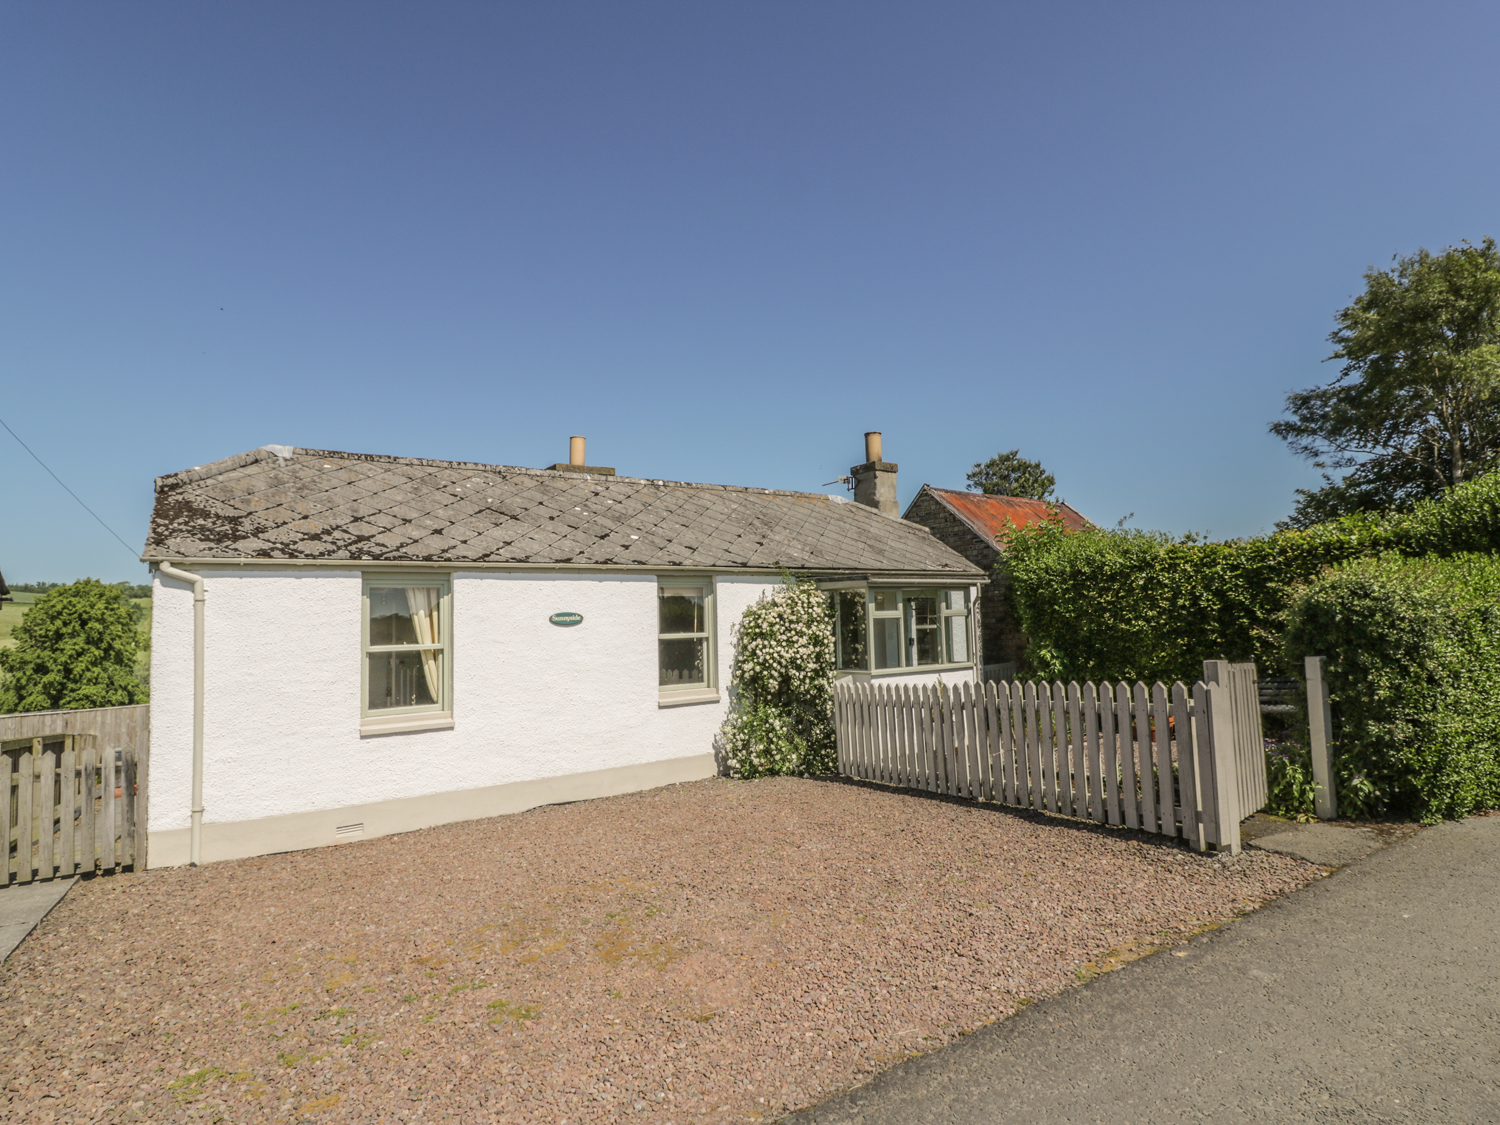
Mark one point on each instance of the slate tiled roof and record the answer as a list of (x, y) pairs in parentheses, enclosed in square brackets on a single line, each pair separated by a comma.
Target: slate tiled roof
[(987, 515), (280, 503)]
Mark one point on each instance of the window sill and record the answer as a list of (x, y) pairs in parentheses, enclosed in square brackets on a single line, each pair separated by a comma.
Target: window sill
[(915, 670), (679, 698), (400, 724)]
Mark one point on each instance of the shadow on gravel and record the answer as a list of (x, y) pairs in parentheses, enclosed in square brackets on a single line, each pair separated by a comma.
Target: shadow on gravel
[(1018, 813)]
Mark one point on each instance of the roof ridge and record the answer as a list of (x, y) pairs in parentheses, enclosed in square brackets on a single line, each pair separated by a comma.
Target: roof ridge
[(214, 468), (991, 496), (203, 472)]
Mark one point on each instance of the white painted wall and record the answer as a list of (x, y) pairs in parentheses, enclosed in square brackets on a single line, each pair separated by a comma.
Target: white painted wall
[(530, 700)]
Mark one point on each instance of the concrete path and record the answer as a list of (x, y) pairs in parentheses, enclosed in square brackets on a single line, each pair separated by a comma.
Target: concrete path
[(1373, 995), (23, 906)]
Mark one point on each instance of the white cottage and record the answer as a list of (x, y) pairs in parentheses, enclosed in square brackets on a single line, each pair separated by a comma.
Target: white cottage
[(345, 646)]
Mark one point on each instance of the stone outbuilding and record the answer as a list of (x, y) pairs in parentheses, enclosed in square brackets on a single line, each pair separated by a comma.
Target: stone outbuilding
[(968, 522)]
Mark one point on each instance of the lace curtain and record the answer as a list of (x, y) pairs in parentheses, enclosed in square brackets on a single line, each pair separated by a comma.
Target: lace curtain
[(423, 603)]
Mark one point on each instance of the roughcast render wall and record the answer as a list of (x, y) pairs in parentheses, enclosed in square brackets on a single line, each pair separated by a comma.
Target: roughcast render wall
[(530, 700)]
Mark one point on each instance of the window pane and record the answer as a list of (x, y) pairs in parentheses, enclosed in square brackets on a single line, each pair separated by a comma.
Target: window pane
[(405, 615), (885, 637), (923, 638), (851, 629), (886, 601), (958, 638), (682, 662), (956, 600), (680, 610), (404, 679)]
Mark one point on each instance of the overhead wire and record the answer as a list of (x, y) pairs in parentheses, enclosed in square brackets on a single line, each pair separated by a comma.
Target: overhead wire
[(133, 552)]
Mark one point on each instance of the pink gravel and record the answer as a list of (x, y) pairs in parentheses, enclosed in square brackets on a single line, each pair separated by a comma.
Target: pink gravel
[(719, 951)]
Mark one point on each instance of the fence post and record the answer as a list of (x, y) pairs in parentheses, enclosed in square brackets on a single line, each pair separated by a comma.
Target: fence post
[(1226, 776), (1319, 727)]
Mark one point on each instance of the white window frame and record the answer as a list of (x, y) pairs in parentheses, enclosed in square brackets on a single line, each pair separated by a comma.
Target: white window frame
[(425, 716), (708, 691), (899, 614)]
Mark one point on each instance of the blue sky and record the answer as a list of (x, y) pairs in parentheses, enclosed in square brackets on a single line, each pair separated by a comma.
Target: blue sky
[(721, 240)]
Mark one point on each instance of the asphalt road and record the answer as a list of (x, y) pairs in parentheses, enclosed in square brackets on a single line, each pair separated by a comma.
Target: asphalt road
[(1373, 995)]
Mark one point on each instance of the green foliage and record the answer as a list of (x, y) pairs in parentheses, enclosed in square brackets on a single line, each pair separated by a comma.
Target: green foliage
[(1289, 781), (1118, 604), (75, 647), (1413, 672), (782, 718), (1416, 407), (1291, 791), (1010, 474)]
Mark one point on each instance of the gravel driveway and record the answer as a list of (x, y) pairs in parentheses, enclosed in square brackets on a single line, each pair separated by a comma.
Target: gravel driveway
[(719, 951)]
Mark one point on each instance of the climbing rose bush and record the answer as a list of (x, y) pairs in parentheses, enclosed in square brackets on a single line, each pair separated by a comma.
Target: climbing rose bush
[(781, 720)]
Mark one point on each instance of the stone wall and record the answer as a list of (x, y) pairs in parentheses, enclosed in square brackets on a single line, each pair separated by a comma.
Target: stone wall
[(1001, 638)]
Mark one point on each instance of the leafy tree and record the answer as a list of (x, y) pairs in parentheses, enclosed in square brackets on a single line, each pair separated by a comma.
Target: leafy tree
[(75, 647), (1010, 474), (1416, 407)]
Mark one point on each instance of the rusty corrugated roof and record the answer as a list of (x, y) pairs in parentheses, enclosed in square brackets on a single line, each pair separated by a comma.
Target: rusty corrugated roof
[(987, 515)]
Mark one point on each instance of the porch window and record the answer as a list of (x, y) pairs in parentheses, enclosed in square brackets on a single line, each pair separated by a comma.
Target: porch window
[(684, 640), (407, 647), (883, 629)]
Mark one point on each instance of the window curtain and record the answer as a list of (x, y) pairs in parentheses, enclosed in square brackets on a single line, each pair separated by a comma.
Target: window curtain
[(423, 602)]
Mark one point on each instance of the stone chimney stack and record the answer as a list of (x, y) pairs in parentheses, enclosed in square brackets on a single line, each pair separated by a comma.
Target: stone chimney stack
[(578, 462), (875, 480)]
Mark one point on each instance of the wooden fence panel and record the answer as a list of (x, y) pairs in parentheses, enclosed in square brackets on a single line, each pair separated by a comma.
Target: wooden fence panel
[(1076, 801), (1187, 772), (993, 752), (26, 808), (1046, 751), (47, 811), (1161, 737), (1089, 707), (1125, 748), (1016, 747), (1163, 758), (1109, 757), (7, 816), (1057, 725), (971, 700), (890, 700), (1013, 735), (73, 791), (68, 807)]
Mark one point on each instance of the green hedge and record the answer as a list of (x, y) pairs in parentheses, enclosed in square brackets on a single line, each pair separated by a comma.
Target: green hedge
[(1102, 604), (1413, 648)]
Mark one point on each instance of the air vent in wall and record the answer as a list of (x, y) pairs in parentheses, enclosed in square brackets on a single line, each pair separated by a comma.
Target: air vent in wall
[(349, 831)]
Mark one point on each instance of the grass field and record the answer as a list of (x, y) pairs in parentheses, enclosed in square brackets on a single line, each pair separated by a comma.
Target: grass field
[(10, 615)]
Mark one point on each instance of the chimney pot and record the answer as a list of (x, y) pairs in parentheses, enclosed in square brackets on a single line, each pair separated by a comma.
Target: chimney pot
[(577, 463), (875, 480)]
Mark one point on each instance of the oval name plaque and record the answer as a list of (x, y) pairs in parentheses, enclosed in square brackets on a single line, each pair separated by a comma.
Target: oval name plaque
[(566, 619)]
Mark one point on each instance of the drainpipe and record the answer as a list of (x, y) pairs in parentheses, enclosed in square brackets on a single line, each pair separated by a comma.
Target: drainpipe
[(196, 847)]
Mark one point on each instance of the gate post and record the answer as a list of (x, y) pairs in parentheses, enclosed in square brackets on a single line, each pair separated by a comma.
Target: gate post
[(1319, 726), (1225, 780)]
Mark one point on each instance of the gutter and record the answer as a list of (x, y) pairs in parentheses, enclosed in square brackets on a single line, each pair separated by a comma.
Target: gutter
[(450, 566), (196, 847)]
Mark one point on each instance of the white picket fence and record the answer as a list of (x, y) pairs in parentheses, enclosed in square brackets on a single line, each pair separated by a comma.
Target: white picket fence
[(1158, 759)]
